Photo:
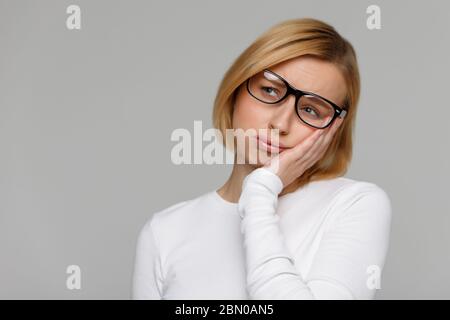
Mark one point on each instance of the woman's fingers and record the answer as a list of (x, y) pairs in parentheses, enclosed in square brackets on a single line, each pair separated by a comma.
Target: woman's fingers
[(306, 153), (317, 150), (311, 152), (300, 150)]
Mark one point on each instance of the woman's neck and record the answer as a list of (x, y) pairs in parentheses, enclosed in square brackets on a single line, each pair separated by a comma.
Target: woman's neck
[(231, 190)]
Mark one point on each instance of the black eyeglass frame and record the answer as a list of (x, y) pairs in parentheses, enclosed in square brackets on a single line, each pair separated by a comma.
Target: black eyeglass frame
[(338, 111)]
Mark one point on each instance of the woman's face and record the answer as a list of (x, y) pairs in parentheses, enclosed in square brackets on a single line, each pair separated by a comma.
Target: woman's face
[(304, 73)]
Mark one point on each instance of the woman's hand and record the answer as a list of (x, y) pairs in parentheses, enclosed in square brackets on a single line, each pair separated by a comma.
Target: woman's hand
[(291, 164)]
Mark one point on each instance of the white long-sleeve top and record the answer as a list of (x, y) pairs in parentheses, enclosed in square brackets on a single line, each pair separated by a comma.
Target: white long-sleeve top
[(327, 240)]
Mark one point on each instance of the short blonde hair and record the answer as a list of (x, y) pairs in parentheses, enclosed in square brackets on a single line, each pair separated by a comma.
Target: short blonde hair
[(287, 40)]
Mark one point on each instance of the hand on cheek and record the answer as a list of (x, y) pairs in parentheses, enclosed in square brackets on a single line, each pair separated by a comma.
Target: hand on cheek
[(292, 163)]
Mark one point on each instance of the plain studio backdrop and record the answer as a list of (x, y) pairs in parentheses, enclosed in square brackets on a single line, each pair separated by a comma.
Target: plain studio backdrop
[(86, 118)]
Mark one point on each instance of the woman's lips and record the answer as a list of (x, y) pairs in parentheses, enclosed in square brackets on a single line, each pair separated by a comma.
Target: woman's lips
[(262, 142)]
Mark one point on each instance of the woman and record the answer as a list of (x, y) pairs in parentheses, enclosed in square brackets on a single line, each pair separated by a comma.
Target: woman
[(288, 225)]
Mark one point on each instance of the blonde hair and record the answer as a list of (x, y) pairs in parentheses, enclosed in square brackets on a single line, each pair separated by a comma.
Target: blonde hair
[(287, 40)]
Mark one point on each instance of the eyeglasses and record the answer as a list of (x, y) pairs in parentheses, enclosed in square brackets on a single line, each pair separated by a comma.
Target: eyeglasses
[(314, 110)]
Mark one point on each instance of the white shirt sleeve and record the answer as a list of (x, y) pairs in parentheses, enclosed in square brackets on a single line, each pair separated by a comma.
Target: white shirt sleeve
[(357, 240), (147, 277)]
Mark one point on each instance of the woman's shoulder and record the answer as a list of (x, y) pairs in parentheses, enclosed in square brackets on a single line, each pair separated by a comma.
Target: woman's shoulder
[(351, 187), (337, 195), (360, 195), (345, 186), (179, 213), (340, 187)]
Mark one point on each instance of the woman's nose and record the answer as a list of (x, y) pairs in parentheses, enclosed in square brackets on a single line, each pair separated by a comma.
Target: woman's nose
[(283, 114)]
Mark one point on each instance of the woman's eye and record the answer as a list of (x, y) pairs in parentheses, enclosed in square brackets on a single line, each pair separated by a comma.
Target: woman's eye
[(309, 109), (270, 91)]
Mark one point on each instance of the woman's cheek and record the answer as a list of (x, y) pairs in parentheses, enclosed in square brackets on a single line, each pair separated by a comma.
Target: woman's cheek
[(246, 116), (243, 120)]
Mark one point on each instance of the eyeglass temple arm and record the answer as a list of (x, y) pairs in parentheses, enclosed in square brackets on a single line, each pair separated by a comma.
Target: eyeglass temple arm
[(343, 113)]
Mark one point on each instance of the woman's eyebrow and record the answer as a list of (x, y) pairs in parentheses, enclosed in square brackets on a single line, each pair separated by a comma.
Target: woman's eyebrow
[(295, 87), (272, 76)]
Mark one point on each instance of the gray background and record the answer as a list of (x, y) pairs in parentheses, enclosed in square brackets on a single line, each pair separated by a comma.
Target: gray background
[(86, 118)]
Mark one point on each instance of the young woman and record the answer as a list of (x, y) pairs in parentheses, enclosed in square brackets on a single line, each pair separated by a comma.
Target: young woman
[(288, 226)]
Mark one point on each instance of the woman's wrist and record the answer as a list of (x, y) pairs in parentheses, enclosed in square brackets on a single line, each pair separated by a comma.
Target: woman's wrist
[(260, 188), (264, 177)]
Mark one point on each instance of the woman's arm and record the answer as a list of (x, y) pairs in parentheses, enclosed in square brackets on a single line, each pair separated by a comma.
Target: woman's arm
[(357, 240), (147, 276)]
